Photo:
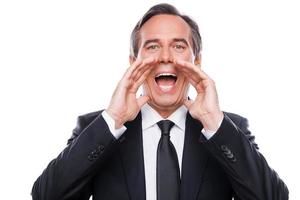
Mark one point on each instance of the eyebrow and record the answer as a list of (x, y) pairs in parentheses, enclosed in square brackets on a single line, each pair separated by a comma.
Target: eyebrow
[(150, 41), (181, 40), (174, 40)]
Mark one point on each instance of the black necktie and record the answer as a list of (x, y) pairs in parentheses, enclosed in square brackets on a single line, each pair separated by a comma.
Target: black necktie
[(167, 169)]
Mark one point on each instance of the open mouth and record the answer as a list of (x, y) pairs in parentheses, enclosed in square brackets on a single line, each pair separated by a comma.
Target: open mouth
[(166, 81)]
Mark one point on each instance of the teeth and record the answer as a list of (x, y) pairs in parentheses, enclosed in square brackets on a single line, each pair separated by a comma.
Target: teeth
[(166, 74), (166, 88)]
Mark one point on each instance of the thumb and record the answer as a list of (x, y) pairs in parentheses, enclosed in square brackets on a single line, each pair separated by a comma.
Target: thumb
[(142, 100), (188, 103)]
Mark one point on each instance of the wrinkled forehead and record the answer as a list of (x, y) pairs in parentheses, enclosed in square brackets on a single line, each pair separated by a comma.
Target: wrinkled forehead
[(165, 27)]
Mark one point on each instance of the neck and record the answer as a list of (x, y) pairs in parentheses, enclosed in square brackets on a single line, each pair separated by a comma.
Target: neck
[(164, 112)]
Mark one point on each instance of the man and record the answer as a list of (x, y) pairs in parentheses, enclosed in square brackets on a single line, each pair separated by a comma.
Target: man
[(161, 145)]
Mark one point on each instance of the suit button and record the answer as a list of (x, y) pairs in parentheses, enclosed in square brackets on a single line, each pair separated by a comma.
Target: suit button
[(95, 153), (101, 148), (228, 152), (90, 158), (224, 148), (230, 155)]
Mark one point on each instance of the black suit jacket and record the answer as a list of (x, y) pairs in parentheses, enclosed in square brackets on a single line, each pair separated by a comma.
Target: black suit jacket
[(95, 163)]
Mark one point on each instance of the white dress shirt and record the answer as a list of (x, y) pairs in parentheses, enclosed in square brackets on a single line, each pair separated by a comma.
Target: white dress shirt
[(151, 135)]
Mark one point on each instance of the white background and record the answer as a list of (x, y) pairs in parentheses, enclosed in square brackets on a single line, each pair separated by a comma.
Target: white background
[(60, 59)]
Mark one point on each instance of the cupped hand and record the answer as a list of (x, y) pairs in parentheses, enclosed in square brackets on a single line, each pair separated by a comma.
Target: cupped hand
[(205, 107), (124, 105)]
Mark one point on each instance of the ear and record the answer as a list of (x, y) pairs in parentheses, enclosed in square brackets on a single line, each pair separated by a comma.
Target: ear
[(131, 59), (197, 60)]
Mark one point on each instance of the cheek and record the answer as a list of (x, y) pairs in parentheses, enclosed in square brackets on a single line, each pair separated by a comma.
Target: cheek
[(143, 54), (188, 56), (185, 54)]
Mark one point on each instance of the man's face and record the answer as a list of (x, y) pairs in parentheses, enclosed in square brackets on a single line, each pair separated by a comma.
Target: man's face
[(166, 37)]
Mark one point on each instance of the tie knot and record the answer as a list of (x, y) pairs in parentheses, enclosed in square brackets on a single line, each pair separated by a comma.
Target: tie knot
[(165, 126)]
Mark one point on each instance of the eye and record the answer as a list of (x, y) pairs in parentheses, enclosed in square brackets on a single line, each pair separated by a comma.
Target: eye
[(178, 46), (152, 47)]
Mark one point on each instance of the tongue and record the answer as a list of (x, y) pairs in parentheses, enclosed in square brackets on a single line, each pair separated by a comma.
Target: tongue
[(165, 81)]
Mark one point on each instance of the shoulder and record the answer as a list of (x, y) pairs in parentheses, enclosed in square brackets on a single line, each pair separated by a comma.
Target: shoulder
[(89, 117), (237, 119), (82, 122), (243, 125)]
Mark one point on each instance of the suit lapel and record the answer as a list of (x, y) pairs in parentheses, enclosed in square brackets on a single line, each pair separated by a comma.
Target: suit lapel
[(131, 151), (194, 160)]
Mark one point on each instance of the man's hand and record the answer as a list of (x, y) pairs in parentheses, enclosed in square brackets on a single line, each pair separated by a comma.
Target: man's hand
[(124, 106), (205, 107)]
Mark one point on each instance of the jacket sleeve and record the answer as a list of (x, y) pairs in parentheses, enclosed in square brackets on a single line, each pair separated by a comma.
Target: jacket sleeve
[(68, 175), (248, 171)]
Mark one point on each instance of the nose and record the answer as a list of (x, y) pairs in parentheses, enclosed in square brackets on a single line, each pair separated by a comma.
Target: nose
[(165, 56)]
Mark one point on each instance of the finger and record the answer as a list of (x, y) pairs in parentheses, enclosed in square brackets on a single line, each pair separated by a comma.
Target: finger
[(141, 80), (188, 103), (192, 68), (137, 71), (142, 70), (197, 85), (188, 66), (194, 81), (194, 77), (131, 68), (200, 87), (142, 100), (197, 82), (127, 81)]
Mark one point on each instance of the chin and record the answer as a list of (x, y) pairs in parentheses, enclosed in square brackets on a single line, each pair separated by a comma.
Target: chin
[(166, 102)]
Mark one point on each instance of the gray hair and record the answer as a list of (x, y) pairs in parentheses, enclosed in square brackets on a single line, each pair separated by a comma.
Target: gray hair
[(165, 9)]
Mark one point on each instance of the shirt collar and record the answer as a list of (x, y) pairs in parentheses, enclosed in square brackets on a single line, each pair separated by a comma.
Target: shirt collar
[(150, 116)]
